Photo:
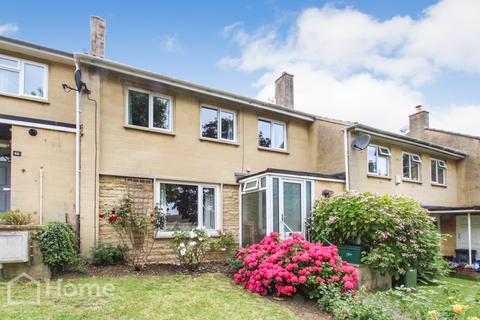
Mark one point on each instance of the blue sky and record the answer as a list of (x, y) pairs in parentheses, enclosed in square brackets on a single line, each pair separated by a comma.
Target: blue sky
[(191, 40)]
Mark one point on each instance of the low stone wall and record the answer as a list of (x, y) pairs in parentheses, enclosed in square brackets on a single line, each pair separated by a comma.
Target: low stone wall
[(35, 267), (370, 279), (141, 190)]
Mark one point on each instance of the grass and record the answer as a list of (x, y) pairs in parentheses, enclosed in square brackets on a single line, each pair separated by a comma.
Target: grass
[(210, 296)]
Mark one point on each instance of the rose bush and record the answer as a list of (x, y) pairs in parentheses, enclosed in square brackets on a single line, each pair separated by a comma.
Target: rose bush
[(284, 267)]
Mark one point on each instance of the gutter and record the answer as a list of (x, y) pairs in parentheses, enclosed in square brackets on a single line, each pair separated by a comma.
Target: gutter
[(148, 75), (455, 211)]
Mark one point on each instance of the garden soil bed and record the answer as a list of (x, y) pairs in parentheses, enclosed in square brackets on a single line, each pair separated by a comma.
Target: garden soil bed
[(304, 308)]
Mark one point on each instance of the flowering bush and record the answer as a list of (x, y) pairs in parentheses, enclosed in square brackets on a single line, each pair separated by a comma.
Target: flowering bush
[(396, 232), (190, 247), (284, 267)]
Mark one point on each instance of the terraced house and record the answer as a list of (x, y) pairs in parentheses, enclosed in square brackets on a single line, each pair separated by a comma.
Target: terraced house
[(210, 158)]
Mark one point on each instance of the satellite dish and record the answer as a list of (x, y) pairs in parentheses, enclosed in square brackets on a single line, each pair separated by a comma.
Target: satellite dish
[(361, 142), (78, 80)]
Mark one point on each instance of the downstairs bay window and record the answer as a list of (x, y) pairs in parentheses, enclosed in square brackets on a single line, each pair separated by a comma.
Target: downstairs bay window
[(188, 206)]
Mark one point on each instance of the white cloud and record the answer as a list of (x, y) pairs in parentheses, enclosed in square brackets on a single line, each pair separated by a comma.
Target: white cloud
[(352, 66), (227, 30), (457, 118), (169, 43), (8, 28)]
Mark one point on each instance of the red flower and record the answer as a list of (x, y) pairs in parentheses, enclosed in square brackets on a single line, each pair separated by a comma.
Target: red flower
[(112, 218), (152, 220), (152, 214), (101, 215)]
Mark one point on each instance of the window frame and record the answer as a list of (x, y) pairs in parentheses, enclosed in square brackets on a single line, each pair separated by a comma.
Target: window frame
[(389, 157), (444, 167), (151, 94), (272, 122), (254, 187), (219, 123), (21, 77), (200, 186), (411, 159)]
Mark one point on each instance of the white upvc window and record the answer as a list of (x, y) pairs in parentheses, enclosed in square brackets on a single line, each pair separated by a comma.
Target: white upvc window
[(147, 109), (218, 123), (188, 206), (25, 78), (412, 166), (439, 171), (272, 134), (378, 160)]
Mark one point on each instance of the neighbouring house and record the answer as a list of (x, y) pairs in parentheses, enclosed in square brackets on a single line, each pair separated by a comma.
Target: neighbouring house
[(210, 158)]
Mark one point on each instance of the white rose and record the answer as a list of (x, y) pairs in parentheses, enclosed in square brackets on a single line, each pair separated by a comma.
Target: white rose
[(192, 243), (182, 245), (183, 251)]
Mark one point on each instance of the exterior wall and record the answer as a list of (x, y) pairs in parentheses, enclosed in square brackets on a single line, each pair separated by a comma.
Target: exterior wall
[(170, 156), (448, 228), (468, 170), (329, 157), (55, 152), (114, 188), (336, 187), (60, 105), (424, 192)]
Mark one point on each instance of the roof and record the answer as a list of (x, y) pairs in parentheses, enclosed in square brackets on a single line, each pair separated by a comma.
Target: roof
[(453, 209), (35, 49), (454, 133), (191, 87), (336, 177), (449, 152)]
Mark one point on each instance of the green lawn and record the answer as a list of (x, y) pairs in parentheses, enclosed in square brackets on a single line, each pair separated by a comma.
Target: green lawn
[(210, 296)]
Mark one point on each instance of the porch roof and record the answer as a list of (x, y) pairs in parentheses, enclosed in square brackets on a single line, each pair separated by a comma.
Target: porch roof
[(446, 209), (336, 177)]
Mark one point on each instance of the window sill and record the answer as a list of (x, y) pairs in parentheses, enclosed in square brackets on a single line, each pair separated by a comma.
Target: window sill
[(169, 234), (232, 143), (412, 181), (170, 133), (20, 97), (371, 175), (434, 184), (272, 150)]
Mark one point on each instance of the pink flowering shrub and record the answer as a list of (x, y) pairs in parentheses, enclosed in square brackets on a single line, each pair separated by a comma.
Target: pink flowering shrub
[(284, 267)]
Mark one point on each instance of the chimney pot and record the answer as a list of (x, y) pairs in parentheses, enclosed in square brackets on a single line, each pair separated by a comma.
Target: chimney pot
[(98, 28), (419, 108), (284, 90)]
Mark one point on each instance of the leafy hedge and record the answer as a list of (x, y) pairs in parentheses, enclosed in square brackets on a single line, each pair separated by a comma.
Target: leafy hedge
[(397, 234)]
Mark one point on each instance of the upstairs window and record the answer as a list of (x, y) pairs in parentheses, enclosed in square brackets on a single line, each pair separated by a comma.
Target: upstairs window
[(272, 134), (149, 110), (439, 171), (212, 128), (23, 78), (412, 166), (378, 159)]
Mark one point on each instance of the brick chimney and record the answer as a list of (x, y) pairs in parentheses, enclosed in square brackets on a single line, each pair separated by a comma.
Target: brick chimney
[(284, 90), (418, 122), (98, 28)]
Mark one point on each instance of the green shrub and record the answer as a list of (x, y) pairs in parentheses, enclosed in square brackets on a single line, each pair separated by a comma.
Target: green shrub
[(59, 246), (363, 307), (397, 234), (16, 217), (190, 247), (221, 243), (106, 255)]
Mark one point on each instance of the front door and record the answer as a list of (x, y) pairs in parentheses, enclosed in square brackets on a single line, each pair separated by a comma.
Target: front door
[(292, 207), (4, 185)]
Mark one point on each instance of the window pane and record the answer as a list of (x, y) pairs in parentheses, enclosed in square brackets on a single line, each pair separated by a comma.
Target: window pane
[(372, 159), (228, 125), (276, 204), (382, 166), (254, 217), (138, 108), (441, 175), (416, 171), (9, 81), (181, 205), (264, 135), (433, 170), (161, 113), (406, 165), (8, 62), (278, 136), (292, 206), (263, 182), (34, 78), (209, 123), (209, 208)]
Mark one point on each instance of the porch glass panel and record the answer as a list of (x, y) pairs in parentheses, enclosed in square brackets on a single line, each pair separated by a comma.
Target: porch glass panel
[(254, 217)]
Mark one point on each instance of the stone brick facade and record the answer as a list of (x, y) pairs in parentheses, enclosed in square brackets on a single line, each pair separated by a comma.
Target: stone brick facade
[(141, 190)]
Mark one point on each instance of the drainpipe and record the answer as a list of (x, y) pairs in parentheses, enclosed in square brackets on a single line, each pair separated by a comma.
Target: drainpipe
[(41, 196), (346, 158), (77, 158), (469, 220)]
